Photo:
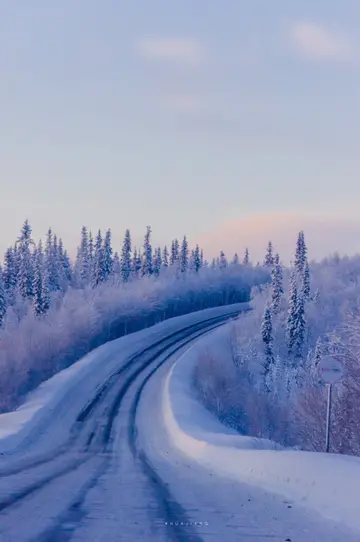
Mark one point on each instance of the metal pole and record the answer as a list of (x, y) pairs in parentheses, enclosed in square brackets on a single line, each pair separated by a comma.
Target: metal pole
[(328, 415)]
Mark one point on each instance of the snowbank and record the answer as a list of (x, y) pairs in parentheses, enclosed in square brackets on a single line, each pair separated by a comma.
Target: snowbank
[(327, 483), (84, 376)]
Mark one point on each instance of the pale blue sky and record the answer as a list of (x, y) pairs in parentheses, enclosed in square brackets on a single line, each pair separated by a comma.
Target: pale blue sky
[(183, 115)]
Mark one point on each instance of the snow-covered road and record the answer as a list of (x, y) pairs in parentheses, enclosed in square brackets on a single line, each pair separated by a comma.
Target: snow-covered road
[(102, 467)]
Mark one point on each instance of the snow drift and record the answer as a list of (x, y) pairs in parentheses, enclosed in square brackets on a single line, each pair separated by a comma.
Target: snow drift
[(327, 483)]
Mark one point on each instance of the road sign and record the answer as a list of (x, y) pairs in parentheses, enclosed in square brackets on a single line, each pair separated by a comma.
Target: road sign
[(330, 369)]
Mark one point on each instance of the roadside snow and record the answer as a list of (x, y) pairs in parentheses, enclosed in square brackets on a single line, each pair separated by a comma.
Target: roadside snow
[(85, 375), (327, 483)]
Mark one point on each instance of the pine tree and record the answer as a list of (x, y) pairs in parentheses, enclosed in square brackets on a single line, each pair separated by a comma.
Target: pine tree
[(277, 290), (146, 270), (202, 261), (197, 259), (157, 262), (107, 255), (125, 262), (266, 334), (99, 262), (41, 299), (174, 254), (222, 260), (184, 255), (300, 325), (10, 270), (305, 286), (91, 252), (165, 257), (235, 260), (116, 266), (246, 259), (25, 262), (291, 322), (300, 254), (82, 259), (67, 266), (3, 304), (136, 263), (269, 256)]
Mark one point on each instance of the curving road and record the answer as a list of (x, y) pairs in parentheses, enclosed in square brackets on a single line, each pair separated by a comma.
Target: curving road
[(116, 477)]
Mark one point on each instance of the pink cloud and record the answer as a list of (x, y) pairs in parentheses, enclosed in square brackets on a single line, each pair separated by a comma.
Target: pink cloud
[(324, 235), (184, 50), (319, 43)]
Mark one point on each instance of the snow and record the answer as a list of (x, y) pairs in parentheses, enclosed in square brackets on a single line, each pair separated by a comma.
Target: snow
[(327, 483), (86, 374)]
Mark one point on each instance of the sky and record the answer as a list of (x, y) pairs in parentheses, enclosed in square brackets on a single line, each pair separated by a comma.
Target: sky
[(222, 120)]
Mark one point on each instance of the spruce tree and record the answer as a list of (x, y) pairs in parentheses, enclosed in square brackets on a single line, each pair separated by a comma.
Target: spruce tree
[(197, 259), (266, 334), (99, 262), (235, 260), (91, 252), (174, 255), (41, 299), (269, 256), (125, 262), (82, 259), (108, 258), (202, 261), (222, 260), (3, 303), (157, 262), (300, 254), (291, 322), (184, 255), (136, 263), (116, 266), (305, 280), (246, 259), (277, 290), (10, 270), (165, 257), (146, 270), (300, 325), (25, 262)]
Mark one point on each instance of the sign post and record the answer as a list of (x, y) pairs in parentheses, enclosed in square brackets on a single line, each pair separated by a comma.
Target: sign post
[(331, 371)]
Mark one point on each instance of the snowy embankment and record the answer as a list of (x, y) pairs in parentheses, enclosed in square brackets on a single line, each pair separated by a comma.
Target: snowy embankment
[(84, 377), (327, 483)]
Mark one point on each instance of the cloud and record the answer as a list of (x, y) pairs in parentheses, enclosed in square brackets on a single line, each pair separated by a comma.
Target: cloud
[(183, 102), (318, 43), (180, 50), (324, 235)]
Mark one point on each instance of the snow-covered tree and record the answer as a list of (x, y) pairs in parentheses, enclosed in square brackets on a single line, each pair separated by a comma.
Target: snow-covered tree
[(147, 256), (184, 255), (10, 269), (99, 261), (222, 260), (291, 322), (300, 254), (91, 252), (136, 263), (3, 303), (108, 257), (197, 259), (305, 282), (116, 266), (300, 325), (269, 256), (267, 337), (165, 257), (25, 262), (235, 260), (83, 260), (157, 262), (202, 258), (125, 261), (277, 290), (246, 259), (174, 254), (41, 299)]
